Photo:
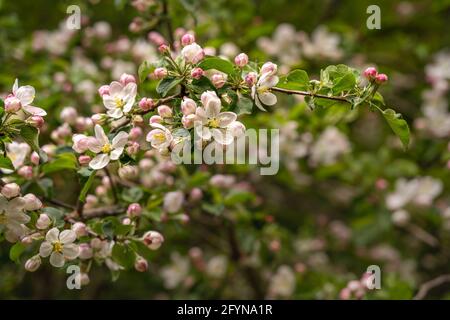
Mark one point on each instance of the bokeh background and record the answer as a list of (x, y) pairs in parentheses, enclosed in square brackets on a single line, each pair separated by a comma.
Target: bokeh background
[(347, 195)]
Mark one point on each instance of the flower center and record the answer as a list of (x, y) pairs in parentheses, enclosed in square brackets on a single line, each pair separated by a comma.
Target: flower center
[(57, 246), (213, 123), (119, 103), (107, 148), (160, 136), (3, 219)]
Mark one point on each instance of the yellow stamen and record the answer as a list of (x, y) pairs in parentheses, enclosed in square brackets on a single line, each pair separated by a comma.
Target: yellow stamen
[(107, 148), (57, 246), (159, 136), (3, 219), (119, 103), (213, 123)]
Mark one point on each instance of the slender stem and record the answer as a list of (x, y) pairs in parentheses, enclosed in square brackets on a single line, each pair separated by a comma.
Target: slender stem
[(427, 286), (309, 94), (113, 185), (59, 203)]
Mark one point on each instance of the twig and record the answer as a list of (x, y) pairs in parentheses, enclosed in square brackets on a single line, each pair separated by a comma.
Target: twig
[(422, 235), (101, 212), (427, 286), (58, 203), (113, 185), (310, 94)]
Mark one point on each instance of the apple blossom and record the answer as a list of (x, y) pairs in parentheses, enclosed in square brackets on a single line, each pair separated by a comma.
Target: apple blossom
[(12, 217), (165, 111), (134, 210), (25, 95), (120, 99), (33, 263), (32, 202), (106, 150), (188, 106), (197, 73), (218, 80), (155, 119), (126, 78), (141, 265), (160, 73), (10, 190), (84, 160), (59, 246), (69, 115), (17, 153), (103, 90), (43, 222), (173, 201), (241, 60), (261, 90), (146, 104), (370, 73), (160, 137), (153, 239), (187, 39), (381, 78), (80, 229), (193, 53)]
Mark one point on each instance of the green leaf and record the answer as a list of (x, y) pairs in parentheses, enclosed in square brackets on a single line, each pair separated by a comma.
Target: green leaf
[(87, 186), (6, 163), (123, 255), (167, 84), (295, 80), (56, 215), (144, 70), (215, 209), (132, 194), (244, 105), (63, 161), (16, 251), (31, 136), (219, 64), (345, 83), (235, 197), (398, 125)]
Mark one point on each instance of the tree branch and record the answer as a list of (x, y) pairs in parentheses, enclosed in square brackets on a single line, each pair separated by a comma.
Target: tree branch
[(309, 94), (427, 286)]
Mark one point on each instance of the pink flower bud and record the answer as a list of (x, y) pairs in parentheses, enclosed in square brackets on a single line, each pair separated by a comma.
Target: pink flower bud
[(345, 294), (222, 181), (84, 160), (141, 265), (80, 229), (165, 111), (197, 73), (135, 133), (99, 118), (126, 78), (26, 172), (12, 104), (33, 263), (381, 78), (155, 119), (218, 80), (187, 39), (164, 48), (36, 121), (160, 73), (85, 251), (156, 38), (153, 239), (69, 115), (188, 106), (251, 78), (103, 90), (133, 147), (196, 194), (146, 104), (188, 121), (241, 60), (34, 158), (126, 221), (269, 67), (32, 203), (370, 73), (11, 190), (134, 210), (43, 222)]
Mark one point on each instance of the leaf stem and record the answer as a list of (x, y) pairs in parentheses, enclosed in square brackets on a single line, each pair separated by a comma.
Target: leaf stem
[(309, 94)]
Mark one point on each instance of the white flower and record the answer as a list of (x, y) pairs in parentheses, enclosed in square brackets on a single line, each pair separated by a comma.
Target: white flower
[(283, 283), (25, 94), (193, 53), (160, 138), (261, 90), (211, 123), (59, 246), (120, 99), (106, 150), (329, 147), (217, 266), (175, 273), (12, 217), (17, 152), (173, 201)]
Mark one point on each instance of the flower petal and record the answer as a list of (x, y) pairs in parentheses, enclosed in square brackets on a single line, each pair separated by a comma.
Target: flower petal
[(100, 134), (25, 94), (35, 111), (57, 259), (99, 162), (109, 102), (67, 236), (52, 235), (115, 88), (71, 251), (226, 118), (116, 153), (46, 249), (116, 113), (120, 140), (268, 98), (222, 136)]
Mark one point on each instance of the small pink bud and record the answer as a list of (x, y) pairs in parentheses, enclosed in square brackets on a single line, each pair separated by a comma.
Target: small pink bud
[(32, 202), (36, 121), (133, 147), (196, 194), (241, 60), (188, 121), (85, 251), (250, 79), (155, 119), (34, 158), (381, 78), (84, 160), (165, 111), (218, 80), (134, 210), (381, 184), (126, 78), (69, 115), (164, 48), (103, 90), (80, 229), (33, 263), (26, 172), (160, 73), (141, 265), (12, 104), (11, 190), (135, 133), (126, 221), (43, 222), (99, 118), (187, 39), (188, 106), (269, 67), (146, 104), (197, 73), (153, 239), (370, 73)]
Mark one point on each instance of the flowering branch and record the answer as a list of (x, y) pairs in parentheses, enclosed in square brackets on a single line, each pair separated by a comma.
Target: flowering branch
[(309, 94)]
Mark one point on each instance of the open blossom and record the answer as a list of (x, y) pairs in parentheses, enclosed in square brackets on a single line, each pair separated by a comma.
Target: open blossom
[(59, 246), (25, 96), (173, 201), (261, 90), (106, 150), (160, 137), (193, 53), (120, 99), (17, 153), (12, 217), (211, 123)]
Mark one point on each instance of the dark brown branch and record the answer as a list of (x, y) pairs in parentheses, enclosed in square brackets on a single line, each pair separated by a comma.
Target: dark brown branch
[(58, 203), (102, 212), (309, 94), (427, 286)]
